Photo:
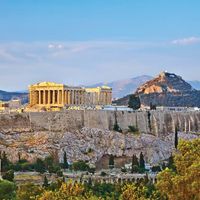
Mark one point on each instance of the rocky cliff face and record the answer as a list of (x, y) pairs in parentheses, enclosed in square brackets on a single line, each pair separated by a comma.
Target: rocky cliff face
[(168, 89), (88, 135), (89, 144), (165, 82)]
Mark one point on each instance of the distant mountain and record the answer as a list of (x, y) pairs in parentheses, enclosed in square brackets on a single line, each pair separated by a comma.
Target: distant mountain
[(6, 96), (166, 89), (126, 86)]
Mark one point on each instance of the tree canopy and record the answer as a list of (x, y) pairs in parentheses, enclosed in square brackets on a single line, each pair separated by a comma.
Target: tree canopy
[(184, 182)]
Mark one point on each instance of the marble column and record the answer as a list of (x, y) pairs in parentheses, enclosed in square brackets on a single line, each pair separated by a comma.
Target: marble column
[(49, 96), (58, 97), (78, 97), (69, 96), (39, 97), (63, 97), (72, 99), (53, 98)]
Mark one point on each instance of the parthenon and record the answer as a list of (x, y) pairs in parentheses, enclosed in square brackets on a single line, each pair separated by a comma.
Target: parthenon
[(50, 94)]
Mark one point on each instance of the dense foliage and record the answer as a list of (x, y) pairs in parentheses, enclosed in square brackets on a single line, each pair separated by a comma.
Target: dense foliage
[(134, 102), (180, 180), (183, 181)]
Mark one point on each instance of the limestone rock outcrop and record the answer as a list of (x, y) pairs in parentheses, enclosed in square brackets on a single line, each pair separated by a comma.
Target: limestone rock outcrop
[(165, 82), (89, 144), (89, 135)]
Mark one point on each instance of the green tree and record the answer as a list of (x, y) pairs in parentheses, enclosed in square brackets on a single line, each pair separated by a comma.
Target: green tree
[(80, 166), (133, 129), (134, 164), (134, 102), (152, 106), (170, 163), (111, 161), (142, 162), (116, 125), (105, 191), (29, 191), (184, 183), (9, 175), (65, 163), (66, 191), (7, 190), (176, 138), (45, 183), (117, 128), (139, 191), (40, 165), (4, 161)]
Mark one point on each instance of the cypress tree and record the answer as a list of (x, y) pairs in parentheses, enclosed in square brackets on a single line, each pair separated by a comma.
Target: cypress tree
[(111, 161), (135, 164), (176, 138), (142, 162), (65, 163), (45, 184), (4, 161)]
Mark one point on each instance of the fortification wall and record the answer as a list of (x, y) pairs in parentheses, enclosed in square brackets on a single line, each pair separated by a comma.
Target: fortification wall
[(155, 122)]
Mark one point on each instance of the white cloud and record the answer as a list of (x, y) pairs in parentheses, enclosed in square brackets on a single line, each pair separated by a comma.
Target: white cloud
[(55, 46), (187, 41)]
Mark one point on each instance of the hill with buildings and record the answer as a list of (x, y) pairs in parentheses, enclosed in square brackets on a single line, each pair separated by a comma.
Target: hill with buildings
[(124, 87), (167, 89)]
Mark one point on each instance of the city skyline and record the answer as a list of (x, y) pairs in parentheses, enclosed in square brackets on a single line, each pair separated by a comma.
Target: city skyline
[(96, 41)]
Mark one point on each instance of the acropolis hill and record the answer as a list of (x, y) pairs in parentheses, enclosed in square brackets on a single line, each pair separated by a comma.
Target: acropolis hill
[(89, 134), (38, 134)]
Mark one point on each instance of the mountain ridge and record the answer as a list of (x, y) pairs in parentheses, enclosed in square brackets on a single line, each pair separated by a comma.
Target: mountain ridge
[(121, 88)]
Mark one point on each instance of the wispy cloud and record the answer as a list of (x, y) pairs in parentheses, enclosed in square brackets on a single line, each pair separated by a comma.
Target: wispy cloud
[(55, 46), (78, 62), (186, 41)]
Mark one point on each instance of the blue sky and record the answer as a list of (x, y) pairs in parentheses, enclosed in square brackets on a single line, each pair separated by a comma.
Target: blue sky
[(87, 41)]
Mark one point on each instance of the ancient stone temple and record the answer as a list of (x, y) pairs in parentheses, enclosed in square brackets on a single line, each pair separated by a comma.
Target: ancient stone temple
[(49, 95)]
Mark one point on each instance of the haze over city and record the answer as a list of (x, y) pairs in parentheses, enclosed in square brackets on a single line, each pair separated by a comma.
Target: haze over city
[(84, 42)]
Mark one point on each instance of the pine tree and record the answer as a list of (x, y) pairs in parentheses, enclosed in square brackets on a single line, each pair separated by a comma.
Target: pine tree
[(142, 162), (134, 102), (176, 138), (65, 163)]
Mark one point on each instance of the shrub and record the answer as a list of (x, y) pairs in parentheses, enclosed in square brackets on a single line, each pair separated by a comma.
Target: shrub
[(9, 175), (103, 173), (80, 166), (117, 128), (156, 168), (7, 189), (133, 129)]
